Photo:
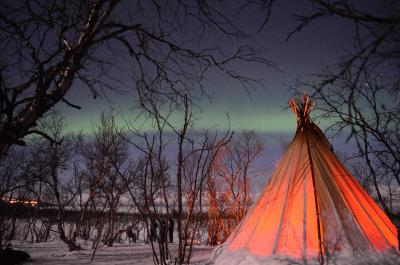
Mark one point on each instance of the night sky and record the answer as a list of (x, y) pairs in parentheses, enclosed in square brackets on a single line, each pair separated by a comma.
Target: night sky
[(263, 110)]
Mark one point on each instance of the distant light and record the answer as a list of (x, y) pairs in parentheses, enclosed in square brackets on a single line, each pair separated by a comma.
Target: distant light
[(30, 202)]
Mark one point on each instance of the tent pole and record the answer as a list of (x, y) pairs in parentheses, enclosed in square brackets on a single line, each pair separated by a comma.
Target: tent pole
[(320, 240)]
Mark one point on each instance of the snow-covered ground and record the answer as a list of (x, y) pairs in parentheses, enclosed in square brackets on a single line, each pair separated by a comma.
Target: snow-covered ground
[(243, 257), (55, 253)]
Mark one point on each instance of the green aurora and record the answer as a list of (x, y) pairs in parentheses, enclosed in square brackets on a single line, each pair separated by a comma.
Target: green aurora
[(211, 117)]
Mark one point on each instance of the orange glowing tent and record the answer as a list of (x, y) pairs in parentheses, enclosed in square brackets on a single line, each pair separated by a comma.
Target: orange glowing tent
[(312, 207)]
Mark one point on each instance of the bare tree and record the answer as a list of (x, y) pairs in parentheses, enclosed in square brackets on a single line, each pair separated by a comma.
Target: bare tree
[(194, 164), (105, 168), (53, 160), (238, 168), (14, 177), (178, 187), (49, 47), (229, 185), (199, 161), (360, 94), (76, 173), (109, 142), (13, 168)]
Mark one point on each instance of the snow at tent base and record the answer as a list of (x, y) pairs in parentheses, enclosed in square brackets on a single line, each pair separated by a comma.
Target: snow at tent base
[(244, 257)]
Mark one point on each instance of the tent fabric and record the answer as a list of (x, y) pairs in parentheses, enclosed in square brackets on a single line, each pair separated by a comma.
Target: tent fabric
[(312, 207)]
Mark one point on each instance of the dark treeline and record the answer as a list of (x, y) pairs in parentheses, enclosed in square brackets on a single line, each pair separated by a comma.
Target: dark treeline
[(22, 211), (94, 188)]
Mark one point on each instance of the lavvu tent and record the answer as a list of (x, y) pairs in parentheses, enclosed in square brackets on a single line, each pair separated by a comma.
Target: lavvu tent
[(312, 209)]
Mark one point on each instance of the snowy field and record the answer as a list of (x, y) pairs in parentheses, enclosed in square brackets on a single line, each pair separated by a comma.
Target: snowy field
[(55, 253)]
